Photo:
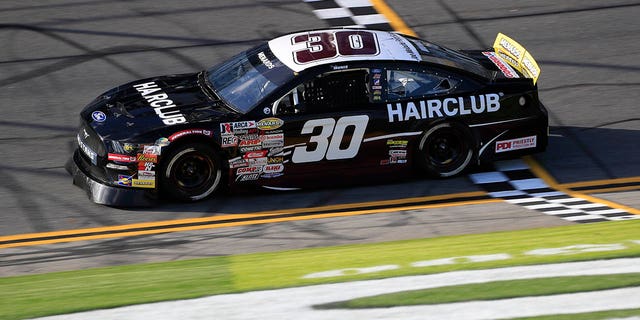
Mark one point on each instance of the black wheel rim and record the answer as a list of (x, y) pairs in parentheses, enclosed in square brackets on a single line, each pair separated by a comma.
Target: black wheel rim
[(446, 149), (193, 171)]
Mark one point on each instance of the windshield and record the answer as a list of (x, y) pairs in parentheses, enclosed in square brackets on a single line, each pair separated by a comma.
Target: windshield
[(248, 78)]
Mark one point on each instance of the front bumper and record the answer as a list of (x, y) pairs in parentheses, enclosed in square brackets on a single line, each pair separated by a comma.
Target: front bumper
[(104, 194)]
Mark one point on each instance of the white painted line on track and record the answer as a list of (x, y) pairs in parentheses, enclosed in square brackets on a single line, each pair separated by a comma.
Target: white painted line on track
[(296, 303)]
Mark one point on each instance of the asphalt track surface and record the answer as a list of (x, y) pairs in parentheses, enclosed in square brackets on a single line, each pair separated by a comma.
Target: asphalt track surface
[(57, 56)]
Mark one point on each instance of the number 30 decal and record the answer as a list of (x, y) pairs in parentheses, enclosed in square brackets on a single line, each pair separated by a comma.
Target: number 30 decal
[(328, 143), (325, 45)]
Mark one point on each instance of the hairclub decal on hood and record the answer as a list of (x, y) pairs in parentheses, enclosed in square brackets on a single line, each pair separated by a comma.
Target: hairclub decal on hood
[(161, 103)]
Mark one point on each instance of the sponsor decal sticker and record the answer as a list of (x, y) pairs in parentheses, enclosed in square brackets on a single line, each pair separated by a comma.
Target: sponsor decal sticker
[(272, 175), (238, 128), (274, 160), (117, 167), (146, 166), (146, 174), (397, 143), (250, 143), (270, 123), (248, 170), (162, 142), (272, 143), (98, 116), (448, 107), (273, 168), (250, 149), (238, 163), (504, 67), (397, 160), (516, 144), (152, 150), (164, 107), (257, 161), (226, 128), (530, 66), (124, 180), (265, 60), (121, 157), (229, 141), (255, 154), (275, 151), (248, 177), (249, 136), (183, 133), (510, 48), (269, 137), (129, 147), (143, 183), (90, 153), (243, 125), (508, 58), (143, 157), (398, 153)]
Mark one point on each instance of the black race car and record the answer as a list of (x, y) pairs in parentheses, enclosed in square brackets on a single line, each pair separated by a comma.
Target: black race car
[(311, 108)]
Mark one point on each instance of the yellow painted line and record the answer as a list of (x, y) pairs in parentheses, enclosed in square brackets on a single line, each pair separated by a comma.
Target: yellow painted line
[(394, 19), (539, 171), (266, 220), (611, 189), (600, 182), (247, 215)]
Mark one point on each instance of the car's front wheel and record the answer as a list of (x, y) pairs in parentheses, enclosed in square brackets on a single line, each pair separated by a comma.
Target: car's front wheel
[(190, 172), (445, 149)]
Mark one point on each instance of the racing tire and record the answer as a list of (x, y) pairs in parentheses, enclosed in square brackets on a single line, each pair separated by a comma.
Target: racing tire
[(191, 172), (445, 150)]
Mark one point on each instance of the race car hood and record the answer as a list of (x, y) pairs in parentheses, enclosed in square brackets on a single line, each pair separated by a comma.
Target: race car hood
[(149, 104)]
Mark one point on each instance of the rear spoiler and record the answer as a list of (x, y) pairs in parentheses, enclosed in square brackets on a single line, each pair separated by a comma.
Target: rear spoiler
[(516, 56)]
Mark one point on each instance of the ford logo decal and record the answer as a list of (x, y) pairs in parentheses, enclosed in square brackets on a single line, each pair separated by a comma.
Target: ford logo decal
[(98, 116)]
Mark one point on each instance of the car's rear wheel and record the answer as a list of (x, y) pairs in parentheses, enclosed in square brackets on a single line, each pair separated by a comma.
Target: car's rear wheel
[(445, 149), (190, 172)]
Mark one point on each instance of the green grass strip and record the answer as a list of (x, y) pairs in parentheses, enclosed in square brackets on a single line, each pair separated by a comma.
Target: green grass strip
[(491, 291), (277, 269), (600, 315), (64, 292)]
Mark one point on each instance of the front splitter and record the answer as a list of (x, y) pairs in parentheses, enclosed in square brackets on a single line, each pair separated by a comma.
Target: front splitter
[(104, 194)]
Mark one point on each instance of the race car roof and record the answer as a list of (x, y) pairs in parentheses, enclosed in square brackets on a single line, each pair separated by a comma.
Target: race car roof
[(303, 50)]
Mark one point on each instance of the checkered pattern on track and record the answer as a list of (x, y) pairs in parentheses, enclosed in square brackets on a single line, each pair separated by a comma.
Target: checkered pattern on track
[(349, 13), (515, 183)]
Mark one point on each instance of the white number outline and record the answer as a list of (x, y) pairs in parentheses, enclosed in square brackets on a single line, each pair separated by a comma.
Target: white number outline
[(330, 138)]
